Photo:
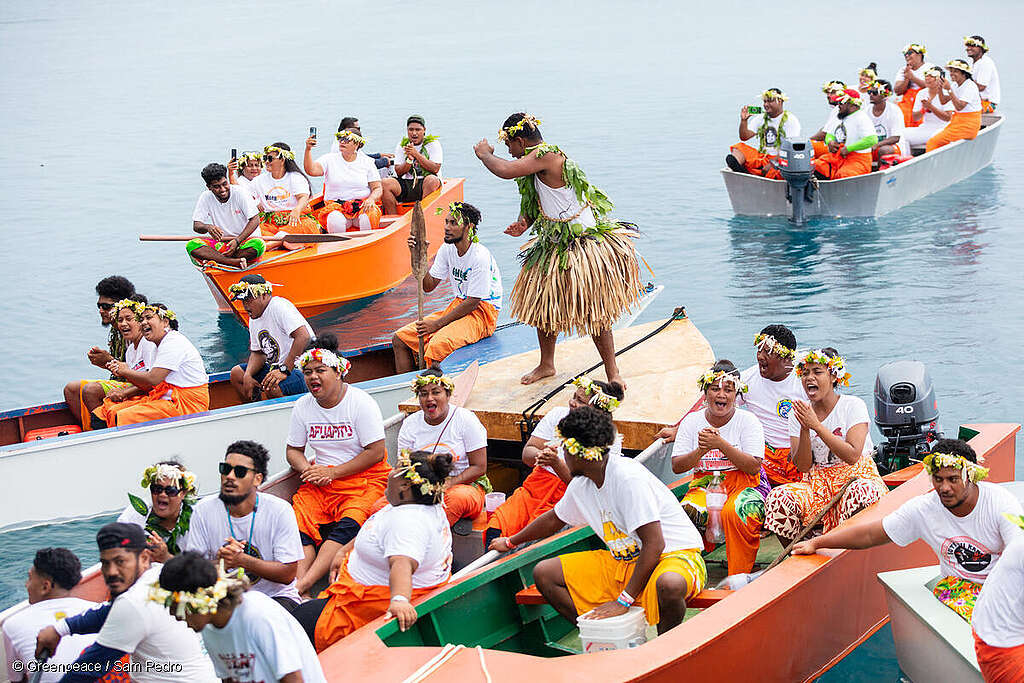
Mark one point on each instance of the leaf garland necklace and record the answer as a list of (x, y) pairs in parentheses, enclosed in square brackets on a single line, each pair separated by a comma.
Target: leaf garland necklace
[(154, 523)]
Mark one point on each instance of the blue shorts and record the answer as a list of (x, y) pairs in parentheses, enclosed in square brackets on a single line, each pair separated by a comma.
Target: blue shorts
[(293, 384)]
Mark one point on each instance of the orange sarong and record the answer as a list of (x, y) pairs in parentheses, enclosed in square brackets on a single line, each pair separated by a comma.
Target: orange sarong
[(108, 386), (779, 468), (463, 500), (834, 166), (999, 664), (757, 162), (906, 105), (456, 334), (742, 516), (349, 209), (351, 605), (152, 406), (351, 497), (273, 222), (540, 491), (960, 127)]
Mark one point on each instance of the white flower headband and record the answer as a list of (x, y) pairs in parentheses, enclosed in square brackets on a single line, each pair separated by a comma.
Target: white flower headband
[(969, 471), (165, 313), (349, 135), (137, 307), (574, 447), (769, 344), (407, 470), (202, 600), (155, 473), (424, 380), (328, 358), (516, 128), (774, 94), (710, 377), (974, 42), (285, 153), (915, 47), (959, 64), (597, 397), (836, 365)]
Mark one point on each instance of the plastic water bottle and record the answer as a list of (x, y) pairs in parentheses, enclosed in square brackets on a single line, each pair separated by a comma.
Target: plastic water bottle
[(715, 498)]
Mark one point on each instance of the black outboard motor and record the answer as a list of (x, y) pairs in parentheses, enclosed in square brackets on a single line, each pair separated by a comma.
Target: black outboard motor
[(906, 412), (795, 166)]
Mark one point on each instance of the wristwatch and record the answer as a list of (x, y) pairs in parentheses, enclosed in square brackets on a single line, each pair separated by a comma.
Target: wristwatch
[(283, 367)]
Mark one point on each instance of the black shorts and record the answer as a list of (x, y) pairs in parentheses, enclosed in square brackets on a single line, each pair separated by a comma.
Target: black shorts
[(410, 192)]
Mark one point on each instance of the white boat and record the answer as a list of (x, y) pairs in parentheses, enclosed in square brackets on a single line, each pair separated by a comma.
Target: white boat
[(873, 194)]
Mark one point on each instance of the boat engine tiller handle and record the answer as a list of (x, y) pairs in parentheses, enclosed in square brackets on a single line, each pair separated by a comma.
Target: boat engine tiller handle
[(795, 166)]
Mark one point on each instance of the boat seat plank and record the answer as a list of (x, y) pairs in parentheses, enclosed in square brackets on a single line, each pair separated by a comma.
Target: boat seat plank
[(706, 598), (894, 479)]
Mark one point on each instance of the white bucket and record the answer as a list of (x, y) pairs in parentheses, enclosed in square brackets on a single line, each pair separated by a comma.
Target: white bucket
[(493, 500), (615, 633)]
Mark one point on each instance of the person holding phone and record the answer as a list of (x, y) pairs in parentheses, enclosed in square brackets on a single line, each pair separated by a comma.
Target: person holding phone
[(930, 113), (762, 130), (243, 171), (352, 185), (284, 194)]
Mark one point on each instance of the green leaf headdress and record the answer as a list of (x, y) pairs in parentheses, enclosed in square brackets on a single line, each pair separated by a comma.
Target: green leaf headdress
[(455, 209), (969, 471)]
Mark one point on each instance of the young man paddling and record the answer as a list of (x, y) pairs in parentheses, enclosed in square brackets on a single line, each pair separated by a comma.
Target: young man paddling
[(962, 520), (653, 555)]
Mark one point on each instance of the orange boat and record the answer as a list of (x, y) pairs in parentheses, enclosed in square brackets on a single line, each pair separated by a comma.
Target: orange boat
[(322, 276)]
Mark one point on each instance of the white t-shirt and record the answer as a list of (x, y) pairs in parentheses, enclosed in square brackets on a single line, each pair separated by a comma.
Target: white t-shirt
[(344, 180), (742, 431), (248, 187), (279, 194), (21, 629), (417, 531), (999, 612), (850, 129), (261, 642), (771, 402), (475, 274), (458, 434), (230, 216), (336, 434), (140, 358), (968, 92), (275, 536), (271, 332), (930, 121), (630, 498), (177, 354), (918, 73), (985, 73), (154, 638), (848, 412), (772, 141), (432, 151), (968, 547), (547, 426), (890, 123), (130, 516)]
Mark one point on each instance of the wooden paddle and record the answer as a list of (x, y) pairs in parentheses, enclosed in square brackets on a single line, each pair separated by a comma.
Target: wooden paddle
[(419, 264), (294, 239)]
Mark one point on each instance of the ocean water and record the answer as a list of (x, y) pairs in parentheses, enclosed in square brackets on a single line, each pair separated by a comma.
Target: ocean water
[(110, 110)]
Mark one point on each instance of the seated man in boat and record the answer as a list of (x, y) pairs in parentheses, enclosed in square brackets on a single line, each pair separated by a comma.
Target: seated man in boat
[(352, 185), (984, 73), (546, 483), (909, 80), (441, 427), (473, 312), (653, 557), (84, 396), (173, 492), (849, 137), (247, 635), (930, 113), (761, 136), (724, 447), (130, 624), (831, 445), (888, 121), (228, 216), (278, 334), (245, 528), (243, 171), (962, 520), (418, 160), (382, 160), (54, 572), (961, 91), (345, 472), (403, 552), (176, 385), (998, 618)]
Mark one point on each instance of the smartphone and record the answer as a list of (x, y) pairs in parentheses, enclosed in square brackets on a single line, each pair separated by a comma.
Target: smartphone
[(754, 109), (234, 153), (312, 131)]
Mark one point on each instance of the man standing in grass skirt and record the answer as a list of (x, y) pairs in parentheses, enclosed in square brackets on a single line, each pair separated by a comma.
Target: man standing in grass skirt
[(580, 270)]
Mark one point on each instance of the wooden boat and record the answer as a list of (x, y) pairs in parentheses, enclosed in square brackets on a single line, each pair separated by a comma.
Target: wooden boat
[(323, 276), (874, 194), (107, 462), (933, 643)]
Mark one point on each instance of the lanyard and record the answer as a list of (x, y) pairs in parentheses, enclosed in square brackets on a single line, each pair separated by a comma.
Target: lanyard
[(252, 524)]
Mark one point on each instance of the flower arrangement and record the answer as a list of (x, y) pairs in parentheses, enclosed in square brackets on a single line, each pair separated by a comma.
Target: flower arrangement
[(960, 64), (575, 448), (200, 601), (836, 365), (187, 481), (350, 136), (915, 47), (165, 313), (285, 153), (970, 471), (934, 72), (328, 358), (515, 129), (708, 379), (597, 397), (251, 290), (425, 380), (833, 87), (869, 73), (773, 94), (849, 96), (246, 157), (769, 344), (885, 88), (971, 41), (407, 469), (137, 307)]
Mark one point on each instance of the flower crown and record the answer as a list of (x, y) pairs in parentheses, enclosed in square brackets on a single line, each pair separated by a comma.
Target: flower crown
[(710, 377), (251, 290), (407, 469), (165, 313), (200, 601), (246, 157), (597, 397), (935, 72), (1016, 519), (915, 47), (516, 128), (970, 41), (349, 135), (421, 381), (870, 73), (845, 96), (328, 358), (774, 94), (137, 307), (575, 448), (155, 473), (959, 64), (769, 344), (836, 365), (884, 87), (455, 209), (970, 471), (833, 87), (286, 153)]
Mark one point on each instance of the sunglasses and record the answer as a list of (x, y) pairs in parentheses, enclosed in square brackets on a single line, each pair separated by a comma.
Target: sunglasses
[(157, 489), (268, 158), (241, 471), (104, 306)]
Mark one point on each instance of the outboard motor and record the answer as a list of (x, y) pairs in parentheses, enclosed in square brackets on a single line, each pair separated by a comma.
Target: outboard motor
[(795, 166), (906, 412)]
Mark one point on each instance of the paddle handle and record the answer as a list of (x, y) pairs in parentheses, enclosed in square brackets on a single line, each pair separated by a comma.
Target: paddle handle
[(810, 525), (166, 238)]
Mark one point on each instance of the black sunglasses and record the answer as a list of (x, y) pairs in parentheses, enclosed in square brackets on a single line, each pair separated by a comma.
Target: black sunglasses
[(157, 489), (104, 306), (241, 471), (268, 158)]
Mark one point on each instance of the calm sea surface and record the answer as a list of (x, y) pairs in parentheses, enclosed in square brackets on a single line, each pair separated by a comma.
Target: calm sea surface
[(110, 110)]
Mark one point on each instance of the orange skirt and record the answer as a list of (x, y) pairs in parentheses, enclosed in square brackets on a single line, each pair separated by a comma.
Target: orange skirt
[(757, 163), (835, 166), (779, 467), (456, 334), (538, 494), (351, 497), (351, 605), (273, 222), (960, 127), (999, 664), (348, 209), (906, 105), (183, 401)]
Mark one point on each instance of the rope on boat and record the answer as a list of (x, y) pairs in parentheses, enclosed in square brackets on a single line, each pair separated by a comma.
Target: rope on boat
[(529, 421), (434, 663), (483, 664), (485, 559)]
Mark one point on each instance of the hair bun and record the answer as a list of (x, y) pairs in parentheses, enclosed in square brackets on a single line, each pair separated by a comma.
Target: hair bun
[(441, 464), (873, 67)]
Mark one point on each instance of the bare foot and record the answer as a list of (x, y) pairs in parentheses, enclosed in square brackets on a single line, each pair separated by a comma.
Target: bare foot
[(242, 264), (539, 372)]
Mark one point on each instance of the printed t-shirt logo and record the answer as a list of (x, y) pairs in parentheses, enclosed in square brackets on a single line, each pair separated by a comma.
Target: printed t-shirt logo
[(823, 457), (715, 461), (277, 194), (971, 557), (239, 664), (139, 365), (841, 133), (783, 408), (321, 431), (771, 136), (880, 131), (269, 346), (622, 546), (461, 277)]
